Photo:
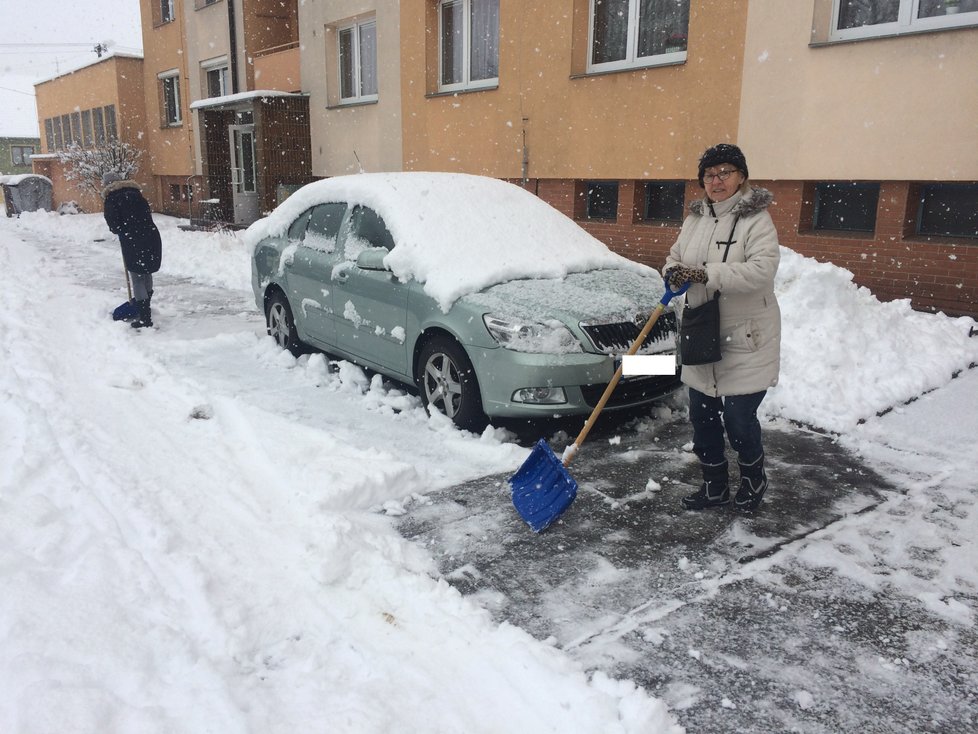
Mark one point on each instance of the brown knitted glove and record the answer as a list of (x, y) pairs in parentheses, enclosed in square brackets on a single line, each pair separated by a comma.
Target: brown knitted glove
[(680, 274)]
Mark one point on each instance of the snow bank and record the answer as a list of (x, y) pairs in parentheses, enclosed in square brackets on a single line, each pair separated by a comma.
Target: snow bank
[(845, 356)]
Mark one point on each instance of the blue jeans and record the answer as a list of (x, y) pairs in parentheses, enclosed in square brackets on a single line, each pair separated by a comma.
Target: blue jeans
[(734, 414)]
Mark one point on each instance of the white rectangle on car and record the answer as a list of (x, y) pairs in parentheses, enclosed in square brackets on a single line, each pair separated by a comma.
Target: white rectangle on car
[(648, 364)]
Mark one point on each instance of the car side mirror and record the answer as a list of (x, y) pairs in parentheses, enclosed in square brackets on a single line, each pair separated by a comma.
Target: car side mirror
[(372, 258)]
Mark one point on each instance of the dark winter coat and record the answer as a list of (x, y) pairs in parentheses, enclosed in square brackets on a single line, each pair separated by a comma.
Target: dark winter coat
[(750, 319), (128, 215)]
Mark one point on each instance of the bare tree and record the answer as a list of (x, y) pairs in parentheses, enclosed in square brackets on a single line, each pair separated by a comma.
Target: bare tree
[(86, 165)]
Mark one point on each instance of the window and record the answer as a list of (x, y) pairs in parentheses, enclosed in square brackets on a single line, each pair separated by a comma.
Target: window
[(166, 11), (217, 81), (853, 19), (76, 129), (111, 133), (20, 155), (665, 200), (49, 135), (324, 226), (98, 118), (86, 118), (846, 206), (367, 225), (59, 141), (948, 209), (468, 44), (66, 129), (358, 62), (601, 199), (170, 98), (180, 193), (633, 33)]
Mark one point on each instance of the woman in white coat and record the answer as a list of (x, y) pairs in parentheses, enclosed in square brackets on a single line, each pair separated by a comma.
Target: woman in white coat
[(728, 245)]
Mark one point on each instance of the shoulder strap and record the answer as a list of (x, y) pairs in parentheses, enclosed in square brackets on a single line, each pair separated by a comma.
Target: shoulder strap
[(730, 239)]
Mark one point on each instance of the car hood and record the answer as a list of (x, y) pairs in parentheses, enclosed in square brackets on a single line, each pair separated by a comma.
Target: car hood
[(596, 296)]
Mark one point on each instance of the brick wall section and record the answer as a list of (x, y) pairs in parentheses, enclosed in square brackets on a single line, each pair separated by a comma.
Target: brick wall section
[(283, 146), (936, 274)]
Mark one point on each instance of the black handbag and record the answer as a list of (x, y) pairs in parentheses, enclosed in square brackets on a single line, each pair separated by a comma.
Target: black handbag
[(699, 330), (699, 333)]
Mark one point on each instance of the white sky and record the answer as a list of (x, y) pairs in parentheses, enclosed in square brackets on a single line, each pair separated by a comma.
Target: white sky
[(49, 23)]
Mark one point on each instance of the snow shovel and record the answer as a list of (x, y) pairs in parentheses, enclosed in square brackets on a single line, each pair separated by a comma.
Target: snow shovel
[(128, 310), (542, 486)]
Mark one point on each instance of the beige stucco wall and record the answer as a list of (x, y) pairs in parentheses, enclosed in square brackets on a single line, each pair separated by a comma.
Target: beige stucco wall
[(341, 134), (641, 123), (901, 108)]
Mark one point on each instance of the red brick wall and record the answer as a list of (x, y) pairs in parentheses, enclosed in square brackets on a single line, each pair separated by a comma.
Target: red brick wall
[(937, 274)]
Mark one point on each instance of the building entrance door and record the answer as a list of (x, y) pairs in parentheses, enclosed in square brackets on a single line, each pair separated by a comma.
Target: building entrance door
[(244, 173)]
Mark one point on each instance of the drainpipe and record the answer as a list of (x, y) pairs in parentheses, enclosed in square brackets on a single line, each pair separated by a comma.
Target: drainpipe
[(233, 42)]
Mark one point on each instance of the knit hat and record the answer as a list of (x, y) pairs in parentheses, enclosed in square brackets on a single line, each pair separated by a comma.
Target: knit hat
[(111, 177), (722, 153)]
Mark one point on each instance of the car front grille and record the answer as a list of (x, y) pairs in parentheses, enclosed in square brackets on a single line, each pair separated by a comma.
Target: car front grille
[(617, 338)]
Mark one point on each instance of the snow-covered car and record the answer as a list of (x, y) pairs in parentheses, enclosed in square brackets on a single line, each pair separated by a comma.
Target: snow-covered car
[(488, 299)]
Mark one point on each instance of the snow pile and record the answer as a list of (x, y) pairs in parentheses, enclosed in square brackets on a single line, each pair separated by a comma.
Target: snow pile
[(845, 356), (457, 233), (189, 527)]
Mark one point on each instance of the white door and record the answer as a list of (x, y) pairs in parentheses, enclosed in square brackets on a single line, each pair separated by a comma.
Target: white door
[(244, 178)]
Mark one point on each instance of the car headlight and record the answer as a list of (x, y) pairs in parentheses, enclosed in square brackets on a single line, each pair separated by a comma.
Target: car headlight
[(551, 337)]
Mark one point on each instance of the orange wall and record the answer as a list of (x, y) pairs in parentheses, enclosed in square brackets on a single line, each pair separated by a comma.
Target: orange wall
[(170, 149), (116, 80), (640, 123)]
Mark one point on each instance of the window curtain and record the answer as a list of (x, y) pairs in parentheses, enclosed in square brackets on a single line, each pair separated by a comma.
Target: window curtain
[(452, 26), (662, 26), (368, 59), (347, 62), (610, 31), (857, 13), (484, 40)]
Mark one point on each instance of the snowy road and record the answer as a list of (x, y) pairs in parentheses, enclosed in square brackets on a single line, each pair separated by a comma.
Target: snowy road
[(199, 533)]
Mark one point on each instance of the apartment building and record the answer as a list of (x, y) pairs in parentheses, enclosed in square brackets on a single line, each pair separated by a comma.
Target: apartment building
[(232, 136), (88, 106), (856, 115)]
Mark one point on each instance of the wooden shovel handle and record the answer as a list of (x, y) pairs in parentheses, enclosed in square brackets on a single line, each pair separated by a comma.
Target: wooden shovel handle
[(571, 451)]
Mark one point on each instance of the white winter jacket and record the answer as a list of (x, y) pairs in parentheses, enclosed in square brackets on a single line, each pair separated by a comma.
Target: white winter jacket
[(750, 319)]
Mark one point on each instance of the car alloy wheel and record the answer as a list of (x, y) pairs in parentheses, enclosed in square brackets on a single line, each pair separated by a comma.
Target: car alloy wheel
[(448, 383), (281, 325)]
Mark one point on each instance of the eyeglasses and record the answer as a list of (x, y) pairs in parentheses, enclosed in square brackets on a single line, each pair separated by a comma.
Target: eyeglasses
[(723, 174)]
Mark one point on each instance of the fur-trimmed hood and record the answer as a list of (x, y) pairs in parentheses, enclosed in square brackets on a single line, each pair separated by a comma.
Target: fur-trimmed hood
[(118, 185), (753, 201)]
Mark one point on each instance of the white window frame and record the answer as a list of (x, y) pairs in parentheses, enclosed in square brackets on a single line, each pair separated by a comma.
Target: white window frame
[(906, 22), (355, 27), (166, 11), (220, 64), (631, 60), (165, 76), (467, 82)]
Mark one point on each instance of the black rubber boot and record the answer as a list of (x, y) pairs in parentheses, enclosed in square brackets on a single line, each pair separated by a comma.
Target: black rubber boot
[(714, 491), (145, 317), (753, 484)]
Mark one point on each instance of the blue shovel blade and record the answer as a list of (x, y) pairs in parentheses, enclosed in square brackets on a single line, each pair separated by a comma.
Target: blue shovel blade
[(542, 488), (125, 310)]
